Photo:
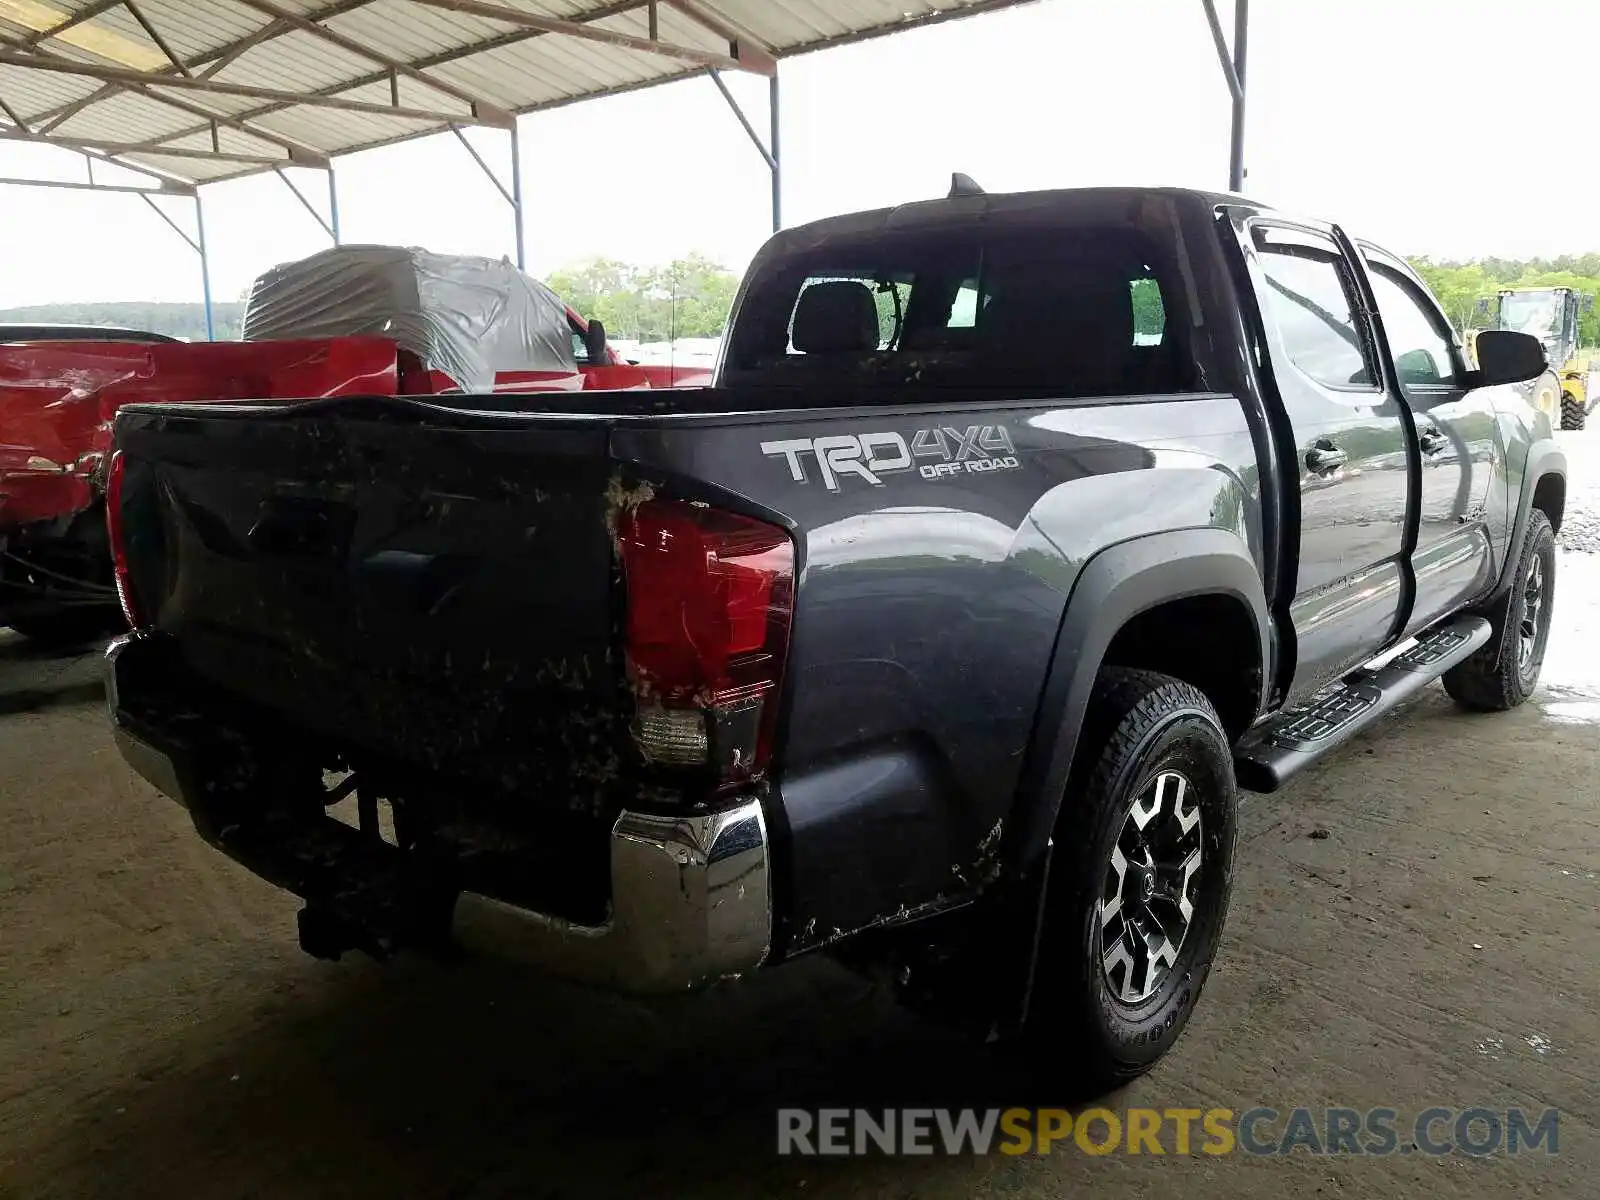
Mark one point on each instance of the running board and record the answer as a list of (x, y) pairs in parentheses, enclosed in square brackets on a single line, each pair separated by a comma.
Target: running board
[(1274, 750)]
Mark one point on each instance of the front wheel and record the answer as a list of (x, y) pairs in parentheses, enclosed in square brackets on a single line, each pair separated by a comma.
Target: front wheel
[(1504, 673), (1139, 888), (1574, 413)]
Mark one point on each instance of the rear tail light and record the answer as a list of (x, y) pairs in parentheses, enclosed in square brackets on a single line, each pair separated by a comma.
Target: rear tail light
[(119, 544), (710, 597)]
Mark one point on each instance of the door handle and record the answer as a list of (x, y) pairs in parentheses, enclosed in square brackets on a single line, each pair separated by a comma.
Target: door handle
[(1324, 458), (1433, 442)]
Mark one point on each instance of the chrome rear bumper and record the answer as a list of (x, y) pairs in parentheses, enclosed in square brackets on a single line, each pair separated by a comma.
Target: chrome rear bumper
[(691, 904), (691, 896)]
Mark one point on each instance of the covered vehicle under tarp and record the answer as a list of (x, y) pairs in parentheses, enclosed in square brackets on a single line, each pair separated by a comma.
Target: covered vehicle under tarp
[(466, 317)]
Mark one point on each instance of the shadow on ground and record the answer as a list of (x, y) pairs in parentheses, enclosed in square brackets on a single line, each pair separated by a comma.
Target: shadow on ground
[(484, 1078), (33, 699), (36, 676), (15, 648)]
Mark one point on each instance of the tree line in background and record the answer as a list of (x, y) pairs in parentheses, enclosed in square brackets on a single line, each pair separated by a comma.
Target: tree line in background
[(690, 297), (1461, 285), (175, 320)]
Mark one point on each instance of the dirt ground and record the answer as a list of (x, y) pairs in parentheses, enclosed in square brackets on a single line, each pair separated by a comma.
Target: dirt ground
[(162, 1035)]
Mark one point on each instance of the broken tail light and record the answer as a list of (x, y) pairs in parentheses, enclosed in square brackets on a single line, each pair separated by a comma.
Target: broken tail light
[(119, 544), (710, 595)]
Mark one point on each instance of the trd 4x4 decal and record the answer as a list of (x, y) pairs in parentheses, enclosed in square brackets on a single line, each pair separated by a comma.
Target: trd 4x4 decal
[(975, 450)]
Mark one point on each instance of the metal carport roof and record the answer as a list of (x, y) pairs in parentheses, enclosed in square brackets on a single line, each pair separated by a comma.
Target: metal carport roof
[(203, 90), (191, 92)]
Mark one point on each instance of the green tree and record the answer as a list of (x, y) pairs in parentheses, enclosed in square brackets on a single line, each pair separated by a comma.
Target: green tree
[(1149, 314), (587, 286), (688, 297), (1461, 286)]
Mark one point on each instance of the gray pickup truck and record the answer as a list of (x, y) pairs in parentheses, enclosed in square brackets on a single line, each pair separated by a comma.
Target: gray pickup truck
[(1017, 532)]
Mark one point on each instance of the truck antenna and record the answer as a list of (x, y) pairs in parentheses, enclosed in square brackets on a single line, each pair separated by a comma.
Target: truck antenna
[(964, 185)]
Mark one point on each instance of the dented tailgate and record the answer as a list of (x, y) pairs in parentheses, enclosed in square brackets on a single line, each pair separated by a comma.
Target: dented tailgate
[(435, 588)]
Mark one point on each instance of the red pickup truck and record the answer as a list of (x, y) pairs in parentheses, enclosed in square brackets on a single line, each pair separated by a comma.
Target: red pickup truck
[(353, 320)]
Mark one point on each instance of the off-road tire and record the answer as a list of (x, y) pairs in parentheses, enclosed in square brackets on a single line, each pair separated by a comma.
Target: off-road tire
[(1499, 676), (1140, 724), (1574, 414)]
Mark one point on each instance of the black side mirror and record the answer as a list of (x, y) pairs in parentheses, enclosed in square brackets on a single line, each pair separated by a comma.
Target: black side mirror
[(594, 343), (1482, 308), (1507, 357)]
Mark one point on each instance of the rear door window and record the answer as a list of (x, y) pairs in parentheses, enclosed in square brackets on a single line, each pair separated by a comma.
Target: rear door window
[(1308, 300)]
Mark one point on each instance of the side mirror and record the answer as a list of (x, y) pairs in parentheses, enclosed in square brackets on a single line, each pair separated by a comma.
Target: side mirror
[(594, 343), (1507, 357), (1483, 308)]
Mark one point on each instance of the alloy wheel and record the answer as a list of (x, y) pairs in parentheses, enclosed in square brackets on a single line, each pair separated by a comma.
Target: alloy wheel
[(1147, 898), (1533, 607)]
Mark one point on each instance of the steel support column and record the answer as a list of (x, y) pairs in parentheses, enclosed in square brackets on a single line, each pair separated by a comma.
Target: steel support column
[(196, 243), (330, 226), (777, 158), (1233, 71), (333, 203), (511, 195), (516, 197), (768, 149), (1241, 43), (205, 264)]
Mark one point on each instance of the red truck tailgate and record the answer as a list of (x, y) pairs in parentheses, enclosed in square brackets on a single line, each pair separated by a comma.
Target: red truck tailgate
[(58, 399)]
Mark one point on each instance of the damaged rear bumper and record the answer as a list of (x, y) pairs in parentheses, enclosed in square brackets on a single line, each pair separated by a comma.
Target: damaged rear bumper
[(691, 896)]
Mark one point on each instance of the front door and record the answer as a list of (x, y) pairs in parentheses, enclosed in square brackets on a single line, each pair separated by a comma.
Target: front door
[(1454, 560), (1351, 453)]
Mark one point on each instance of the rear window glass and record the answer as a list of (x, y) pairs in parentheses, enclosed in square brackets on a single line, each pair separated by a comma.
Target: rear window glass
[(1080, 312)]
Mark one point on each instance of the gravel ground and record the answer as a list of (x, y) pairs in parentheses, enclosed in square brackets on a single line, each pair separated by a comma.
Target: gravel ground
[(1581, 529), (1414, 923)]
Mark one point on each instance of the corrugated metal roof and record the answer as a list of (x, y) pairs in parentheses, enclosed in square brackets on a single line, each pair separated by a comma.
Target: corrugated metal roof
[(234, 82)]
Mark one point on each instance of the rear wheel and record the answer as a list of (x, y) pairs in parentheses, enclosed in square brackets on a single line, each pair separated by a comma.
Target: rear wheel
[(1574, 415), (1504, 673), (1139, 888)]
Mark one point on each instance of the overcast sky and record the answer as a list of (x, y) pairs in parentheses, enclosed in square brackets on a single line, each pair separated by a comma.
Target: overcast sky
[(1421, 124)]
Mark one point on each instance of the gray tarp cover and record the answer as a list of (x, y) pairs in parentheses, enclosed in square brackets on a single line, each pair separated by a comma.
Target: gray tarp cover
[(467, 317)]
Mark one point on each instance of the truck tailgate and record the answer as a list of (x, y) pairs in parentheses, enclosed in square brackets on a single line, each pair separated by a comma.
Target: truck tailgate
[(430, 586)]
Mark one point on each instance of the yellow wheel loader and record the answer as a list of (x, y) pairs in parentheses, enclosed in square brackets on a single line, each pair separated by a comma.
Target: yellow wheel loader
[(1551, 315)]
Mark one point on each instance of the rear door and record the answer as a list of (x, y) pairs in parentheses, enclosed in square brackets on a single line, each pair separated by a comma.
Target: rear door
[(1459, 449), (1350, 451)]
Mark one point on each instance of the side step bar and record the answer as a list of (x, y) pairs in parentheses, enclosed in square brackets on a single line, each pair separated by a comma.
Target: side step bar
[(1274, 750)]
